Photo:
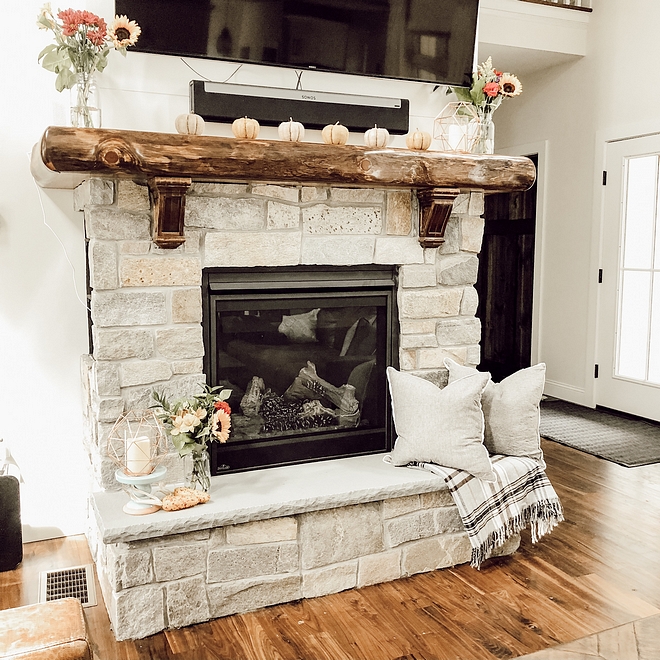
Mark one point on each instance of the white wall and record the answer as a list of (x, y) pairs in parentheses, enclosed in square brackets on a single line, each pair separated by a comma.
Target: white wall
[(43, 324), (609, 93)]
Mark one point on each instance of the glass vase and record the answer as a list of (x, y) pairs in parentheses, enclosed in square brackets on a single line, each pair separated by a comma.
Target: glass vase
[(485, 144), (84, 101), (197, 470)]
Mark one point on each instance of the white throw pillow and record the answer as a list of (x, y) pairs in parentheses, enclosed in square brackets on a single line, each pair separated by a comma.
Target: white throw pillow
[(511, 410), (440, 426)]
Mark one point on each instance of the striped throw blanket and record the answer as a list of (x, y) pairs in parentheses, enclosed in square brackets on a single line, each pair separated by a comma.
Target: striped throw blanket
[(492, 512)]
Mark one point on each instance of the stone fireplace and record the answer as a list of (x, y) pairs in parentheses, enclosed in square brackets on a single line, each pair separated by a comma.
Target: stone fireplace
[(299, 530)]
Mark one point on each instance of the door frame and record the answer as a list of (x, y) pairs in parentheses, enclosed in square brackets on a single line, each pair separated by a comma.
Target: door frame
[(541, 148)]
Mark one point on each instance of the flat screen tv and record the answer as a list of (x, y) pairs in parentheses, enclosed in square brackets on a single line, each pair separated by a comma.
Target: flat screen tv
[(422, 40)]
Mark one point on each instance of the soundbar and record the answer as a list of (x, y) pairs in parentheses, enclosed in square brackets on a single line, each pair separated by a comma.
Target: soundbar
[(224, 102)]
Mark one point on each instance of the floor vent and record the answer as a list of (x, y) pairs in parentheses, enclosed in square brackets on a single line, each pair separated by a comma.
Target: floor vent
[(75, 582)]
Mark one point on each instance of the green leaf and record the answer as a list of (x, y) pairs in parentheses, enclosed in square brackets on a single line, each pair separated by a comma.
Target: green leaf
[(47, 49), (224, 395), (462, 94)]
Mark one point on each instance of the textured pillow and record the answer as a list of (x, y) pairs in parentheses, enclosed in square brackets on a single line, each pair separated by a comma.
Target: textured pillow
[(300, 328), (511, 410), (440, 426)]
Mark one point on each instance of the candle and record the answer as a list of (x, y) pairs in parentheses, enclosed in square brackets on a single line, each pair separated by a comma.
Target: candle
[(138, 455)]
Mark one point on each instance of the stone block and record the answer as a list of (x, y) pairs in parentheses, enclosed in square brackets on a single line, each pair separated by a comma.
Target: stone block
[(111, 224), (430, 256), (455, 549), (174, 562), (476, 206), (93, 192), (417, 326), (338, 250), (359, 195), (398, 218), (313, 194), (398, 250), (195, 366), (329, 579), (178, 387), (102, 265), (106, 376), (252, 249), (172, 539), (236, 563), (126, 569), (427, 303), (457, 269), (187, 305), (186, 602), (248, 595), (411, 527), (461, 204), (418, 341), (128, 308), (323, 219), (134, 247), (473, 357), (407, 359), (160, 271), (218, 189), (439, 377), (144, 372), (472, 233), (180, 343), (225, 213), (286, 193), (399, 506), (122, 344), (434, 358), (421, 556), (437, 498), (335, 535), (469, 301), (383, 567), (282, 216), (263, 531), (466, 330), (218, 537), (137, 612), (107, 409), (132, 197), (193, 241), (417, 276), (452, 242), (448, 520)]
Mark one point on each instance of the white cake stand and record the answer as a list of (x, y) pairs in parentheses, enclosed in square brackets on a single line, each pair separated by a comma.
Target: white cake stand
[(141, 502)]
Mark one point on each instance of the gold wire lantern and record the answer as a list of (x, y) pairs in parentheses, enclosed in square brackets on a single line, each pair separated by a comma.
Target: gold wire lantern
[(137, 442), (457, 127)]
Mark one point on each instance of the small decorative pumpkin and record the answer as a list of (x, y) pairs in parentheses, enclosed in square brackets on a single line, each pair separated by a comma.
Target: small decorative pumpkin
[(335, 134), (418, 140), (189, 124), (376, 138), (245, 128), (291, 131)]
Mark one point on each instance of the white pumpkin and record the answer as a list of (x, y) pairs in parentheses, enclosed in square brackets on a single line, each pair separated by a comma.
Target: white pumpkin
[(189, 124), (376, 138), (245, 128), (291, 131), (335, 134), (418, 140)]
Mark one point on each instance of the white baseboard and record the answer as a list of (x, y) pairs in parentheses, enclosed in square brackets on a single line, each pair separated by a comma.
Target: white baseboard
[(567, 392)]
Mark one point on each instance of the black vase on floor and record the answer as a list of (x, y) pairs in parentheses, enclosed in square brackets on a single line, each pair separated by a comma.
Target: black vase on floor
[(11, 536)]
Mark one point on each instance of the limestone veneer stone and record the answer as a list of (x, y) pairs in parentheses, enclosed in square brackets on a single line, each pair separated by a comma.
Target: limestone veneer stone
[(472, 233), (457, 269), (170, 271), (447, 520), (174, 562), (135, 247), (180, 343), (263, 531), (282, 216), (186, 602), (103, 262), (110, 224), (476, 206), (132, 197), (107, 409), (410, 527), (418, 341), (382, 567), (286, 193), (416, 276), (329, 579), (137, 612), (128, 568), (429, 303), (398, 250), (274, 248), (359, 195), (106, 377), (231, 563), (417, 326), (461, 203), (195, 366), (200, 188), (187, 305), (323, 219), (452, 242), (313, 194), (433, 358), (398, 218), (144, 372), (398, 506), (122, 344), (112, 308), (225, 213), (450, 332), (93, 192), (338, 250), (469, 301)]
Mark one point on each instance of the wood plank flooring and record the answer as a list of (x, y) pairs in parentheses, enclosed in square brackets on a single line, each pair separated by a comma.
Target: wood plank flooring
[(597, 570)]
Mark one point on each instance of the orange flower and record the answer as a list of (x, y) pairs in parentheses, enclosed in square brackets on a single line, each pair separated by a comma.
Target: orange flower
[(222, 405), (491, 89)]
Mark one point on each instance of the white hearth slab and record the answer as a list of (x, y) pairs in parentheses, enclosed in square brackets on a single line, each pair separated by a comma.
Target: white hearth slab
[(270, 493)]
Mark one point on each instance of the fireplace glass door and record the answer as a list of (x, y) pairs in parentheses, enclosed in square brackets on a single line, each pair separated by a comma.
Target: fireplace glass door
[(304, 352)]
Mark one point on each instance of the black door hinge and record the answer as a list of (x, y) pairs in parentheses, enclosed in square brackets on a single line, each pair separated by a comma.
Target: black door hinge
[(604, 177), (600, 276), (595, 371)]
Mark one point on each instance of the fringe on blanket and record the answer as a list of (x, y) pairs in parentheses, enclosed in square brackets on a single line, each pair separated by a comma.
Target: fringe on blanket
[(540, 517)]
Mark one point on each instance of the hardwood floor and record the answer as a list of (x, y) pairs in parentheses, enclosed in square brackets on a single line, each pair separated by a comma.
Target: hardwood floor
[(597, 570)]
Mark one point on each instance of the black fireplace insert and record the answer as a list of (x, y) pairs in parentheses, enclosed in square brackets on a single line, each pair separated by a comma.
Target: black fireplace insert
[(304, 351)]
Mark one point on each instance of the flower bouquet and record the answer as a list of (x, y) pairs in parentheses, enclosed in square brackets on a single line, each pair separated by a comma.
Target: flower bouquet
[(192, 424), (82, 43), (489, 88)]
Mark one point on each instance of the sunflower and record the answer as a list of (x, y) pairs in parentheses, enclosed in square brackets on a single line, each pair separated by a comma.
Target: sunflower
[(510, 85), (221, 423), (124, 32)]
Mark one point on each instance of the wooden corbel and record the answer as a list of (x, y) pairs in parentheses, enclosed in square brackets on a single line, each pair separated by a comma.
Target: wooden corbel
[(169, 204), (435, 208)]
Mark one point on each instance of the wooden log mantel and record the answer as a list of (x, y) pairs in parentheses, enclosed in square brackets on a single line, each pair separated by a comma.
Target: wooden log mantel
[(169, 162)]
